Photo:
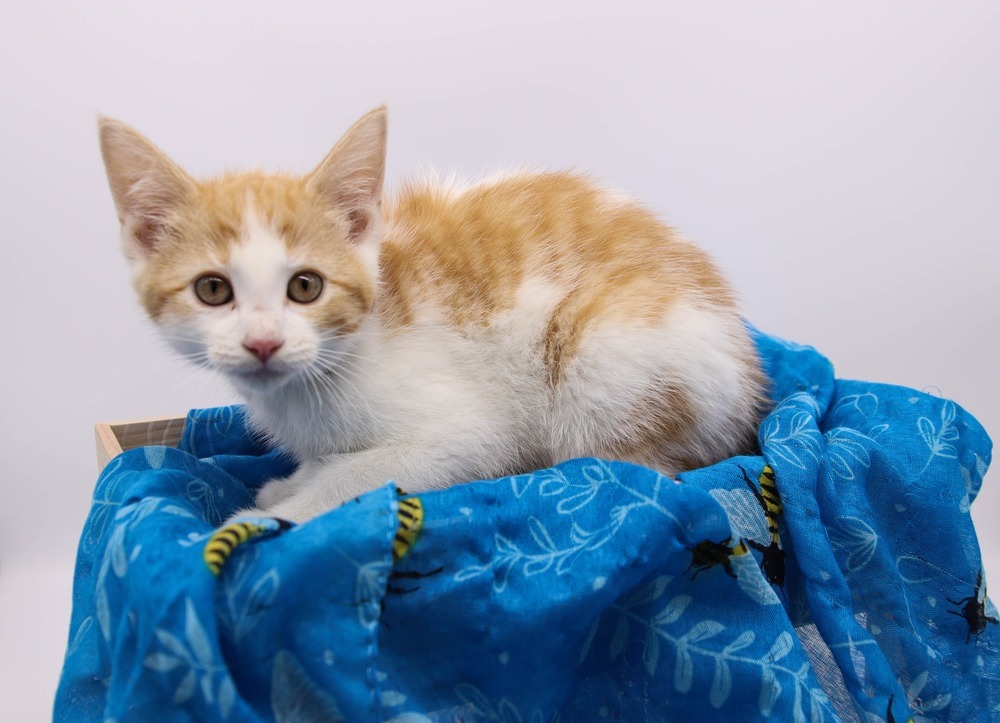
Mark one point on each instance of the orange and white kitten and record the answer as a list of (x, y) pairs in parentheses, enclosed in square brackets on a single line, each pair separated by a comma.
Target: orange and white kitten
[(440, 334)]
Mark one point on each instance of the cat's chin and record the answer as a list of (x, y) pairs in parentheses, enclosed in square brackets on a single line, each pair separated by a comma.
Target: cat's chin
[(260, 381)]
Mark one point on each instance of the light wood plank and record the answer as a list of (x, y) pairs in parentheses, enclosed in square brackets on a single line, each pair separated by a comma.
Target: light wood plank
[(116, 437)]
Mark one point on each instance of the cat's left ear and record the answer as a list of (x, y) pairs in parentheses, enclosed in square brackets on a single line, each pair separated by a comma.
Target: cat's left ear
[(147, 187), (350, 177)]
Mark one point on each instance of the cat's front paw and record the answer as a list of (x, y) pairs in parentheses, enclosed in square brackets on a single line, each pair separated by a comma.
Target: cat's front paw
[(274, 492)]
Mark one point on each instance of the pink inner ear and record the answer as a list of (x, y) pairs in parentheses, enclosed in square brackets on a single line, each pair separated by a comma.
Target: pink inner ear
[(146, 233), (359, 220)]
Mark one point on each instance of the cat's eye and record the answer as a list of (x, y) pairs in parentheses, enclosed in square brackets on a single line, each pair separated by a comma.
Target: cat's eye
[(213, 290), (305, 287)]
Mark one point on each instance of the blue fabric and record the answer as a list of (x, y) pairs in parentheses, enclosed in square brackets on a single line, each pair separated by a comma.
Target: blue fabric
[(589, 591)]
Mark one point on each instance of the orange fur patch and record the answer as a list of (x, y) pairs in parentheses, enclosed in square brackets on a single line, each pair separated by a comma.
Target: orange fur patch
[(201, 232), (469, 251)]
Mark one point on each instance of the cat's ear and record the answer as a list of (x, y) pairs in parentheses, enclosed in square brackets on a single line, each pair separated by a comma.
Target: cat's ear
[(147, 187), (350, 177)]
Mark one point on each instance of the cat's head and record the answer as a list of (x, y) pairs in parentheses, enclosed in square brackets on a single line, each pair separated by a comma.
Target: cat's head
[(265, 278)]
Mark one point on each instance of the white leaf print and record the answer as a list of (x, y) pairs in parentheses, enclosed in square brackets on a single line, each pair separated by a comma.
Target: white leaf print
[(782, 646), (938, 702), (541, 535), (116, 550), (553, 483), (101, 606), (917, 685), (392, 698), (620, 637), (816, 714), (745, 639), (684, 670), (649, 593), (856, 538), (81, 633), (770, 689), (196, 636), (509, 712), (866, 404), (227, 696), (651, 654), (520, 484), (674, 609), (161, 662), (172, 643), (703, 630), (155, 456), (847, 449), (538, 565), (590, 639), (722, 684), (206, 688), (798, 715), (858, 662), (802, 438), (262, 594), (505, 546), (186, 688), (938, 440)]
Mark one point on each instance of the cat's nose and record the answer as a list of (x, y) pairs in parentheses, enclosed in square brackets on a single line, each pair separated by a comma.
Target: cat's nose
[(263, 348)]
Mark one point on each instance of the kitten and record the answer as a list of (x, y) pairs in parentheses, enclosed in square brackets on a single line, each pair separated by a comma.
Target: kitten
[(442, 334)]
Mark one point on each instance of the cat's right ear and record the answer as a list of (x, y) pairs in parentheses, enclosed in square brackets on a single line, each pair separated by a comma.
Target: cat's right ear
[(350, 177), (147, 187)]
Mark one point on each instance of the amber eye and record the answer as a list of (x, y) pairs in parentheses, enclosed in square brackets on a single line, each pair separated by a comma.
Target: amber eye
[(213, 290), (305, 287)]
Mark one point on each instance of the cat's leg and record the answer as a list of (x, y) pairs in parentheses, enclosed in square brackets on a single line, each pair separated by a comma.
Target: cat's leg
[(327, 483), (275, 490), (671, 396)]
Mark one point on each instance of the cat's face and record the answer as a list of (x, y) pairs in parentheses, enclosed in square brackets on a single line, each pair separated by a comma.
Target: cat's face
[(265, 278)]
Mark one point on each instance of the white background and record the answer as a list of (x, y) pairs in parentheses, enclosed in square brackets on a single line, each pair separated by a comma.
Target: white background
[(840, 160)]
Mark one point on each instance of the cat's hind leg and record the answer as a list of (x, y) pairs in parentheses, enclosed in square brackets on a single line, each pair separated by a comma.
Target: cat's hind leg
[(675, 395)]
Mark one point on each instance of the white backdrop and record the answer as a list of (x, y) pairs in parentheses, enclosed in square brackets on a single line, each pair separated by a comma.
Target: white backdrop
[(841, 160)]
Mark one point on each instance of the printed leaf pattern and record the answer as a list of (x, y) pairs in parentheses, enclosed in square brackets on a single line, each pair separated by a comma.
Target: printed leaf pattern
[(540, 552), (194, 656), (481, 708), (706, 644), (856, 539), (797, 440), (939, 438), (246, 598)]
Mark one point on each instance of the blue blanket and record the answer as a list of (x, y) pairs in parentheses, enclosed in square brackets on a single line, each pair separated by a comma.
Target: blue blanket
[(835, 577)]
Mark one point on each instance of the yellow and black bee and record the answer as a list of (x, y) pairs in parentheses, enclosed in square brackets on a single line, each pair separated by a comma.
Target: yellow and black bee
[(773, 557), (708, 554), (226, 539), (410, 517), (973, 609)]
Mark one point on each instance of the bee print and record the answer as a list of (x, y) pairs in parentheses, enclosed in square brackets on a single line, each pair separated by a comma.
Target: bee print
[(973, 609), (708, 554), (773, 557), (226, 539), (411, 519)]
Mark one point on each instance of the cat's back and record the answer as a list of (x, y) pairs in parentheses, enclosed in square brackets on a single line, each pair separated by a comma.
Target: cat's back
[(473, 250), (581, 300)]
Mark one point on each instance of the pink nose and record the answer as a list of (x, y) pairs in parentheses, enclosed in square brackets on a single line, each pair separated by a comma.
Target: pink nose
[(263, 349)]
